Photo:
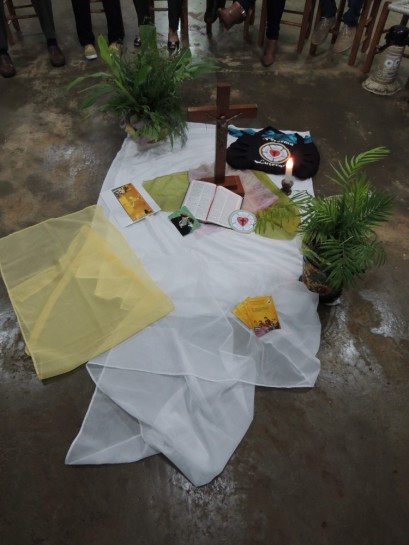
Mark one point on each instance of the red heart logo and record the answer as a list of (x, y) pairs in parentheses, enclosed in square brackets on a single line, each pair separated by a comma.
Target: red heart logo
[(274, 152), (242, 220)]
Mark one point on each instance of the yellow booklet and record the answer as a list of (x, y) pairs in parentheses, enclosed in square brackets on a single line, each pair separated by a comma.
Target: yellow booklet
[(258, 313)]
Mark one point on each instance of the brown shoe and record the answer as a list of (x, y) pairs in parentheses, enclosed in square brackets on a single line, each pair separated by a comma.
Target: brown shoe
[(56, 56), (7, 69), (232, 15), (270, 48)]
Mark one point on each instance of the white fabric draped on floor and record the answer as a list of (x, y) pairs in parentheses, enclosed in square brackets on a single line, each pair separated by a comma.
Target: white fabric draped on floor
[(184, 386)]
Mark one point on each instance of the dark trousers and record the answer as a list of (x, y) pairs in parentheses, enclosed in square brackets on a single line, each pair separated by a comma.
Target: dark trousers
[(275, 10), (44, 11), (350, 17), (174, 9), (83, 22)]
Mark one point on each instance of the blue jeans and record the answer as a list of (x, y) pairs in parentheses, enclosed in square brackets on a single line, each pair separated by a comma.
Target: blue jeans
[(350, 17)]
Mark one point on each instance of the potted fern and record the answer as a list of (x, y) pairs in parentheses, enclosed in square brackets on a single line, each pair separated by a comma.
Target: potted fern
[(339, 242), (144, 89)]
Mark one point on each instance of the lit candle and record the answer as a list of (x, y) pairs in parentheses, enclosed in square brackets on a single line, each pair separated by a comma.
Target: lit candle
[(289, 170)]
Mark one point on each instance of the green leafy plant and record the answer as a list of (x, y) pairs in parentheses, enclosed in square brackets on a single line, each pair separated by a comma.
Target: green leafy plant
[(338, 232), (144, 88)]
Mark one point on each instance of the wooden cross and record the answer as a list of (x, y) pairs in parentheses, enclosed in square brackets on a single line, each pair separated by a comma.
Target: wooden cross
[(223, 113)]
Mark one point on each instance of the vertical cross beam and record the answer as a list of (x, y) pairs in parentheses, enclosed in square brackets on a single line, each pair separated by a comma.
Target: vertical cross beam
[(223, 113)]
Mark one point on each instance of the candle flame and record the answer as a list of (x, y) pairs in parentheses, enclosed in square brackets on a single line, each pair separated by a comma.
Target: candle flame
[(289, 163)]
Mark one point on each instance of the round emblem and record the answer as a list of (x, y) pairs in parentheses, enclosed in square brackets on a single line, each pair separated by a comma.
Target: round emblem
[(275, 153), (242, 221)]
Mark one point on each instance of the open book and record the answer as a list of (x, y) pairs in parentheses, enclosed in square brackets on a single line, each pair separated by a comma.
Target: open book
[(211, 203)]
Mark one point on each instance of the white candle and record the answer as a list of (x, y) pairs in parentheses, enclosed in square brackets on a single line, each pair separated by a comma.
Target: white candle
[(289, 170)]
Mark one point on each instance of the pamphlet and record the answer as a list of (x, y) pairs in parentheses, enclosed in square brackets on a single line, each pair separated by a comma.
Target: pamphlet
[(258, 314), (128, 204), (210, 203)]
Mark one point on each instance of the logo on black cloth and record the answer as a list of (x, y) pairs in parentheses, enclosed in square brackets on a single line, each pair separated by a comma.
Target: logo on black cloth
[(274, 153)]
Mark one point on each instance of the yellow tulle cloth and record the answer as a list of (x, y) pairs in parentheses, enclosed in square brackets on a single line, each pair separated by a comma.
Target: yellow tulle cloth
[(77, 288)]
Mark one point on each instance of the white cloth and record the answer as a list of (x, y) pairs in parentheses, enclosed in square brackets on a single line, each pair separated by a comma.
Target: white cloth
[(184, 386)]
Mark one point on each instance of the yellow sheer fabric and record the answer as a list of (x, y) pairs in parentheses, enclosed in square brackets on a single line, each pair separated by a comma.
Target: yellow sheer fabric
[(77, 289)]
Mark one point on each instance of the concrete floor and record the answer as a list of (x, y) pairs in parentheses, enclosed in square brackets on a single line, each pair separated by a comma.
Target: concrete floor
[(329, 465)]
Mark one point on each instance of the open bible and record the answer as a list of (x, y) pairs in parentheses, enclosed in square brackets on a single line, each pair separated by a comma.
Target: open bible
[(210, 203)]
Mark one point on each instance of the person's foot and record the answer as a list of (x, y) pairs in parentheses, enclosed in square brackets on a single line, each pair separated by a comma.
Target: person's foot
[(137, 42), (173, 41), (57, 58), (115, 48), (270, 48), (90, 53), (7, 69), (231, 15), (322, 30), (345, 38), (210, 15)]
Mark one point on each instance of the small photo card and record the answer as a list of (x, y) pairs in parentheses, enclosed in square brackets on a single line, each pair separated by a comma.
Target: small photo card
[(184, 221)]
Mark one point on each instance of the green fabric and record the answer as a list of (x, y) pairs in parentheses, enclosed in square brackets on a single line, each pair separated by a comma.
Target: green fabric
[(282, 225), (168, 192)]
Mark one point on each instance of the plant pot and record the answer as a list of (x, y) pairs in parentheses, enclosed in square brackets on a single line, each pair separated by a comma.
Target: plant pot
[(316, 281)]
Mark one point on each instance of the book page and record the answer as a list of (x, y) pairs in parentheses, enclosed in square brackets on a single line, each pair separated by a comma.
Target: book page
[(199, 198), (224, 203)]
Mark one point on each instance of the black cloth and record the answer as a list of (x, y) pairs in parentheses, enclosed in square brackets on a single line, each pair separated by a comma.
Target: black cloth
[(268, 151)]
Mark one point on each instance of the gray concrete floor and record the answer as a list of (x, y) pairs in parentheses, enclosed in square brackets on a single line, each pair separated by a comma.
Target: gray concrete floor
[(328, 465)]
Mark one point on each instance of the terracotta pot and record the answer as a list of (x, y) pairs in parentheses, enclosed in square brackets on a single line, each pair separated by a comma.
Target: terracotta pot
[(316, 281)]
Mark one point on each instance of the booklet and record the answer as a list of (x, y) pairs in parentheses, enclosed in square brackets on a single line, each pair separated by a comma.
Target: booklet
[(210, 203), (258, 313), (129, 204)]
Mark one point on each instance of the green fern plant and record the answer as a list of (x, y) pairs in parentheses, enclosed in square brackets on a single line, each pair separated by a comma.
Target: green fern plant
[(144, 89), (338, 232)]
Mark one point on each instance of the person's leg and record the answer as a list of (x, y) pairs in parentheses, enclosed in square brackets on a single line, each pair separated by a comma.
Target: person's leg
[(347, 32), (83, 22), (326, 23), (7, 69), (275, 10), (212, 6), (44, 11), (174, 9), (328, 8), (351, 16), (115, 23), (142, 11)]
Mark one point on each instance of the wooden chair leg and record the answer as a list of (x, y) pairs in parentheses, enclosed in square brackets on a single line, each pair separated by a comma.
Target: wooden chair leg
[(13, 15), (366, 24), (262, 25), (305, 24), (376, 38), (249, 20), (358, 33), (370, 28), (184, 19), (9, 34)]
